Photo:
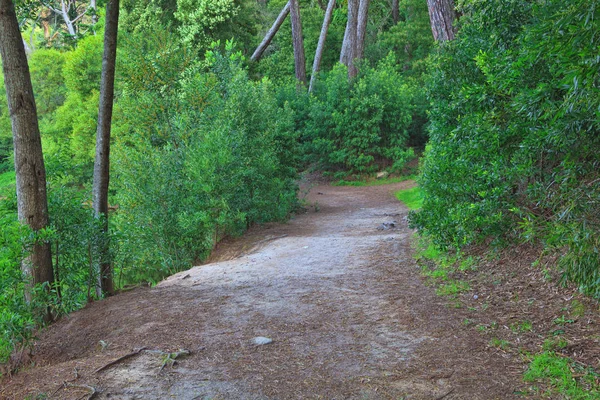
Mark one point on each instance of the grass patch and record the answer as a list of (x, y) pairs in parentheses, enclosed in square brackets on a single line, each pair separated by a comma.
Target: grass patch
[(370, 181), (412, 198), (452, 288), (500, 344), (566, 378), (7, 180)]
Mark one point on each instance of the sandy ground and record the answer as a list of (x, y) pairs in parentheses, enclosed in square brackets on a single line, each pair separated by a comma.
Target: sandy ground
[(335, 288)]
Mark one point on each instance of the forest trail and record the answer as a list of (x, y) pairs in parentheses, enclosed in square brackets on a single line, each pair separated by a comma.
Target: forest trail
[(339, 295)]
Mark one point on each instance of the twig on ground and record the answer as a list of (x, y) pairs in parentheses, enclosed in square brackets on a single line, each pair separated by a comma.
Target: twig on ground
[(445, 395)]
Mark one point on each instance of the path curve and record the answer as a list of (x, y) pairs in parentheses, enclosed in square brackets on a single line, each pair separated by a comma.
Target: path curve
[(335, 288)]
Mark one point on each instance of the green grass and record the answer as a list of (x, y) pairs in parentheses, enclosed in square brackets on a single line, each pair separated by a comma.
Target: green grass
[(566, 378), (370, 181), (500, 344), (412, 198), (7, 179), (452, 288)]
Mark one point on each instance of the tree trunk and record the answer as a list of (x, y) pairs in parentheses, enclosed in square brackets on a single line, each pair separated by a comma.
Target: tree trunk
[(361, 28), (442, 16), (271, 33), (321, 45), (102, 161), (32, 202), (299, 59), (67, 19), (395, 11), (348, 53)]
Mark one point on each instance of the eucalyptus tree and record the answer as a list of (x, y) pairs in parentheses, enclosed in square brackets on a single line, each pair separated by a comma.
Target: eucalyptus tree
[(32, 203), (442, 15)]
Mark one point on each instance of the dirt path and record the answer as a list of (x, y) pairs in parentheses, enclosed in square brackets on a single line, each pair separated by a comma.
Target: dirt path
[(342, 300)]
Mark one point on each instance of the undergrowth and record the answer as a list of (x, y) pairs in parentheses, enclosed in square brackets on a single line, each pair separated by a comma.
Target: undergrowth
[(549, 374), (412, 198)]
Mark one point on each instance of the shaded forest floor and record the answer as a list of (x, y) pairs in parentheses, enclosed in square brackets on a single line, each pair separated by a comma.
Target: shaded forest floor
[(351, 317)]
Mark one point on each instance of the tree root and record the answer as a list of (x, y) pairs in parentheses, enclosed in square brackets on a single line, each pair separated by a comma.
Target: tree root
[(118, 360)]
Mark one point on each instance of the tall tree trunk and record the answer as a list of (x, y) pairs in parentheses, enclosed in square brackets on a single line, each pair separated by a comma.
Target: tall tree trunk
[(321, 45), (32, 202), (299, 59), (361, 28), (348, 53), (271, 33), (442, 16), (396, 11), (102, 161)]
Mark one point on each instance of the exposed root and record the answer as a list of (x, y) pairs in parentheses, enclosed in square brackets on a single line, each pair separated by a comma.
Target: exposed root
[(118, 360)]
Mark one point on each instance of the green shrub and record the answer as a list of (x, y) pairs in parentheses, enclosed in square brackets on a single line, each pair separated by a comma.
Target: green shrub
[(514, 132), (360, 126), (212, 158)]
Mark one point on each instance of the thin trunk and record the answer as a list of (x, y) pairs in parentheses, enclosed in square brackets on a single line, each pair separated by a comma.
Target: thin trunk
[(67, 19), (442, 16), (271, 33), (395, 11), (32, 203), (101, 164), (321, 45), (299, 59), (361, 28), (349, 45)]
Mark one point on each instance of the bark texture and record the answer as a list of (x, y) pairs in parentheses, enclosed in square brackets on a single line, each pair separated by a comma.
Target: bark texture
[(102, 161), (299, 58), (348, 53), (271, 33), (442, 16), (29, 161), (321, 45), (395, 11), (361, 28)]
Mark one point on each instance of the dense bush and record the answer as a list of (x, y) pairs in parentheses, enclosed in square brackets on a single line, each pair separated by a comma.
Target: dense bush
[(514, 132), (360, 126), (209, 159)]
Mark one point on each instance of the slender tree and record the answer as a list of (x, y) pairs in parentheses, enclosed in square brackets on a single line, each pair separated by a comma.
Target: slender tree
[(442, 15), (321, 45), (298, 41), (102, 161), (32, 202), (348, 53), (271, 33), (361, 28)]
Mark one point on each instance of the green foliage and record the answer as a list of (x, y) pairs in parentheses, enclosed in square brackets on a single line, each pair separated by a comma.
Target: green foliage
[(69, 124), (46, 68), (412, 198), (410, 39), (7, 180), (565, 377), (211, 164), (360, 126), (514, 122)]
